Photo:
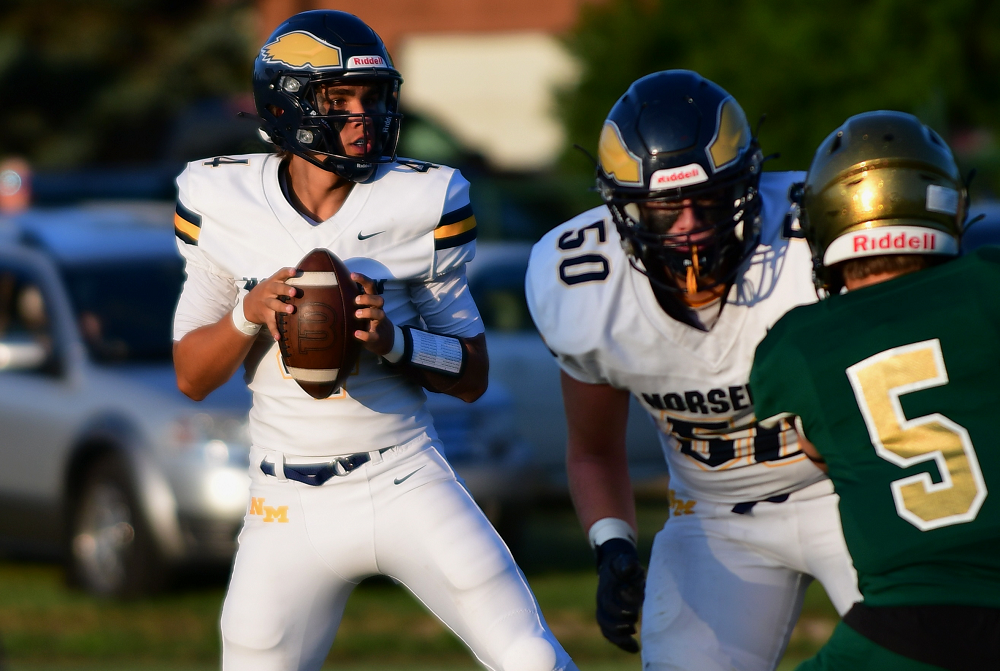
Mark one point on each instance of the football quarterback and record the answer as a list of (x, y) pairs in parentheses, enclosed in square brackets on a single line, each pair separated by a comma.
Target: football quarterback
[(351, 485), (893, 383), (664, 292)]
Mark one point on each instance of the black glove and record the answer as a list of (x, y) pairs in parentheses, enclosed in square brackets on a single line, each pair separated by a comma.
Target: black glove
[(621, 584)]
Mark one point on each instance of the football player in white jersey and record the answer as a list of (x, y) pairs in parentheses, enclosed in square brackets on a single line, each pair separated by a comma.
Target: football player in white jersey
[(353, 485), (664, 293)]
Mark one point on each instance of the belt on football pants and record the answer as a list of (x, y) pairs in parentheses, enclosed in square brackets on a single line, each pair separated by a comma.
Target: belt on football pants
[(747, 506), (316, 474)]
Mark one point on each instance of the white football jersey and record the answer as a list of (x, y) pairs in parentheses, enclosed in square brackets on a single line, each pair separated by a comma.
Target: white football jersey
[(601, 319), (411, 229)]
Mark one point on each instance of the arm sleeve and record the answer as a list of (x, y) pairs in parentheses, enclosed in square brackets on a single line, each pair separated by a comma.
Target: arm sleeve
[(455, 233), (446, 305), (207, 296), (543, 298), (774, 375), (581, 370), (208, 292)]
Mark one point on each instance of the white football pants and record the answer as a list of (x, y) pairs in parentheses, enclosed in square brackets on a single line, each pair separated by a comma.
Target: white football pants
[(725, 590), (303, 549)]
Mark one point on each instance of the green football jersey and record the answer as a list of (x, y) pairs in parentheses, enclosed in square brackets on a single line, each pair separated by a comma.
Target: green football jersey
[(898, 387)]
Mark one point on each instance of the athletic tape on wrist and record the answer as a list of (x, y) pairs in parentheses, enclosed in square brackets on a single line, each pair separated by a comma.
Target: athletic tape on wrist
[(433, 352), (607, 528), (240, 321), (398, 346)]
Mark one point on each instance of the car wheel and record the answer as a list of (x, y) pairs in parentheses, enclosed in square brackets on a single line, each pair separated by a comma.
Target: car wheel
[(111, 550)]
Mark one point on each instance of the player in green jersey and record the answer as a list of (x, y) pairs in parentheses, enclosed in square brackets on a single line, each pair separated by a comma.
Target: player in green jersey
[(894, 382)]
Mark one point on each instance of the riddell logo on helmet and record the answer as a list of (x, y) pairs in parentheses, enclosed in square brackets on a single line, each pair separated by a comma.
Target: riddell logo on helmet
[(869, 243), (365, 62), (670, 178), (889, 240)]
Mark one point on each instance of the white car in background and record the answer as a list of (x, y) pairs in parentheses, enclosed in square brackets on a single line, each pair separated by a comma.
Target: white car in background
[(105, 462)]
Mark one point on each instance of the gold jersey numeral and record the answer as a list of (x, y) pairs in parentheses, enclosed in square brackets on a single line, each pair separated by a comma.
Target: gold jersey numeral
[(878, 383)]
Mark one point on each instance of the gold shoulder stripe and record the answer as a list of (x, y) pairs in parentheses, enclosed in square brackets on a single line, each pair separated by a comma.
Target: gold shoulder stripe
[(455, 235), (458, 228), (189, 230)]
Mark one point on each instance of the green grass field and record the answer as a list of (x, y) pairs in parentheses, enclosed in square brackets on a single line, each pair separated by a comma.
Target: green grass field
[(47, 627)]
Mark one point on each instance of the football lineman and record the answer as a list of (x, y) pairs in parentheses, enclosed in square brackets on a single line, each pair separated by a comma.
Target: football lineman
[(664, 292), (353, 485), (893, 382)]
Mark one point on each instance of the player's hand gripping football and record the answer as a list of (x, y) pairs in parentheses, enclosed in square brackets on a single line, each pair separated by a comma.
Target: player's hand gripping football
[(267, 298), (621, 586), (379, 337)]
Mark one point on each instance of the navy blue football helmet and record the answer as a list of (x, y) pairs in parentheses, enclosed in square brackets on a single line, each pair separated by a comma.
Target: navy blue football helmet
[(300, 79), (677, 140)]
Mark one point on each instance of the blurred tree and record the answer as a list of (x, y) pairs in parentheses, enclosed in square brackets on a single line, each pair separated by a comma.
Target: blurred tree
[(808, 66), (99, 81)]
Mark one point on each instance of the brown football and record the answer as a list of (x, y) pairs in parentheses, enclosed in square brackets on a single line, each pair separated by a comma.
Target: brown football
[(317, 340)]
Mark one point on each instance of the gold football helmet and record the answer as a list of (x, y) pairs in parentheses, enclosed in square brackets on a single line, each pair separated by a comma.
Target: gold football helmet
[(882, 183)]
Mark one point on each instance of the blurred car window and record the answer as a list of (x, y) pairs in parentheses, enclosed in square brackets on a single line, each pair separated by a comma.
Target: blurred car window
[(125, 310), (24, 315), (500, 297)]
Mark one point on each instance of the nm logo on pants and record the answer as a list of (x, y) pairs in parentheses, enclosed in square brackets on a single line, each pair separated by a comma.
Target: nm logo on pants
[(269, 513)]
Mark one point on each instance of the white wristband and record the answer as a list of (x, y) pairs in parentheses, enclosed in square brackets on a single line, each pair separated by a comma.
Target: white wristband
[(610, 527), (240, 321), (398, 346)]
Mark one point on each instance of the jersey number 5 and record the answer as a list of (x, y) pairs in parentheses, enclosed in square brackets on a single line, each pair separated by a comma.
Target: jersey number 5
[(583, 267), (878, 383)]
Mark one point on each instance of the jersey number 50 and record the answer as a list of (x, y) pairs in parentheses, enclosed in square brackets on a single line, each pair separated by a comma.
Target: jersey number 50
[(583, 267), (878, 383)]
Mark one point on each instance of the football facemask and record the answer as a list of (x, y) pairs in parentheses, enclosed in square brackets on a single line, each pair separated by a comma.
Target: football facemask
[(698, 241), (345, 120)]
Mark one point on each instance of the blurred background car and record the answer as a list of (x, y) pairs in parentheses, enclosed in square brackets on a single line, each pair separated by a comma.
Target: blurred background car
[(106, 463)]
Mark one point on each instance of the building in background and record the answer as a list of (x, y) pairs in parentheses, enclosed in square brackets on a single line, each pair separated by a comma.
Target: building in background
[(486, 71)]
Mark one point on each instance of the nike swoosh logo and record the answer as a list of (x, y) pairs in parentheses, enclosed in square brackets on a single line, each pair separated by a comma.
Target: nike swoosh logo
[(365, 237), (399, 481)]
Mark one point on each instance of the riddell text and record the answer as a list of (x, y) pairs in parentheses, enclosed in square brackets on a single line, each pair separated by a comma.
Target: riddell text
[(865, 243), (677, 176)]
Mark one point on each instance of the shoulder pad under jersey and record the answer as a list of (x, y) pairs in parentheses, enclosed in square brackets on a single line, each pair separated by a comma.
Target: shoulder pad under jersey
[(207, 186), (574, 279)]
